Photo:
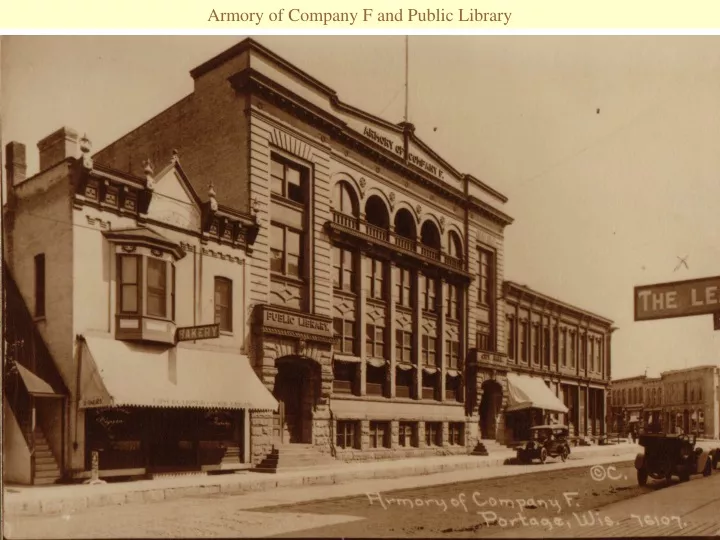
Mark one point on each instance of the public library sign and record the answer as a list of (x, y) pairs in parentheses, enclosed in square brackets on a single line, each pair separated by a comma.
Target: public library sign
[(275, 320)]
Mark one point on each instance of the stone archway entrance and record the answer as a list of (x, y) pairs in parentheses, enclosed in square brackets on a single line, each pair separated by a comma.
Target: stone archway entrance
[(490, 409), (296, 389)]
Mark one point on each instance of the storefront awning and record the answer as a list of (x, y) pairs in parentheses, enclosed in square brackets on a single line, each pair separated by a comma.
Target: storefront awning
[(34, 384), (119, 373), (527, 392)]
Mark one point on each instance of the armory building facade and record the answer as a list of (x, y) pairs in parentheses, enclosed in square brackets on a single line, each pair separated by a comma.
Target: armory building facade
[(367, 275)]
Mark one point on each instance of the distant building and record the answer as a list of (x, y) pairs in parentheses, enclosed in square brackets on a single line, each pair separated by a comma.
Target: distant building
[(683, 399)]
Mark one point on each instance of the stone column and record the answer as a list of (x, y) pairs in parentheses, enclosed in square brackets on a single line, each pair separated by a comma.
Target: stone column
[(442, 293), (360, 317), (390, 325), (417, 334)]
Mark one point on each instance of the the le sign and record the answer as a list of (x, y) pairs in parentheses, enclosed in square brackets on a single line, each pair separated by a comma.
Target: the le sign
[(678, 299)]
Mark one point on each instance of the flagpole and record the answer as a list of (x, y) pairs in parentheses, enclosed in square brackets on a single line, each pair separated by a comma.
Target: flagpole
[(407, 71)]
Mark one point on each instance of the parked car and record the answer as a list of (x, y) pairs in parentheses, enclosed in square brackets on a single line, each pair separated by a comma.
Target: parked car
[(667, 455), (545, 441)]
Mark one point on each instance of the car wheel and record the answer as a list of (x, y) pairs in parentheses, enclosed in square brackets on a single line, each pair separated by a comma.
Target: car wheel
[(543, 455), (684, 477), (707, 471), (564, 454), (642, 476)]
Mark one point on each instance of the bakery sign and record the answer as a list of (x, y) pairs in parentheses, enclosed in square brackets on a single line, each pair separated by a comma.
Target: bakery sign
[(275, 319), (389, 144)]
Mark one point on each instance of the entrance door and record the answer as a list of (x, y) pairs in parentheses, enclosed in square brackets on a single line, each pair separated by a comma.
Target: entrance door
[(490, 409), (173, 440), (290, 383)]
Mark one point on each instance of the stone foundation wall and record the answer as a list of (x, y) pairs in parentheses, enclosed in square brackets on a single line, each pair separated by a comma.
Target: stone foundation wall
[(261, 437), (399, 453)]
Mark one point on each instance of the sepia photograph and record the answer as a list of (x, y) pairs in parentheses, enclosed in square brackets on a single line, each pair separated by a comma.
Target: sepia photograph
[(378, 286)]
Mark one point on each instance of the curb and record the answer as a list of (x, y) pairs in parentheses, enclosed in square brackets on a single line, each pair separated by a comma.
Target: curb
[(75, 503)]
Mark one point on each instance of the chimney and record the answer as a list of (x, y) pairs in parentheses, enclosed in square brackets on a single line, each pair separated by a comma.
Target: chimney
[(57, 147), (15, 163)]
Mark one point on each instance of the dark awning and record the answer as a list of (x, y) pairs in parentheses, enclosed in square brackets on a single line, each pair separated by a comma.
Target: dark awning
[(34, 384)]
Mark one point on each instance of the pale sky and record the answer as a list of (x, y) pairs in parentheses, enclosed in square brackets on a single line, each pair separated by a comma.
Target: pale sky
[(602, 201)]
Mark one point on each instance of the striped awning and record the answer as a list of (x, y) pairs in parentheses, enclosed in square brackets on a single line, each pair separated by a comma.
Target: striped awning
[(117, 373)]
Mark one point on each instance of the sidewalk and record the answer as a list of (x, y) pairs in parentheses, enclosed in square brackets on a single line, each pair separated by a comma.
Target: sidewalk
[(67, 499)]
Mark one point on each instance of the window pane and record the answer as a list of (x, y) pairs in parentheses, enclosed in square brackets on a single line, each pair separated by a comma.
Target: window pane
[(128, 302), (293, 265), (293, 242), (294, 185), (156, 304), (156, 287), (129, 269)]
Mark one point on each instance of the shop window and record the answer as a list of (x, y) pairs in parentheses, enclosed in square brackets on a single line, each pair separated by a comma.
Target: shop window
[(345, 377), (344, 335), (403, 287), (452, 354), (407, 434), (347, 434), (374, 341), (375, 380), (40, 285), (375, 279), (379, 435), (286, 247), (429, 350), (456, 433), (485, 273), (433, 434), (403, 346), (404, 383), (223, 303), (288, 179), (343, 269)]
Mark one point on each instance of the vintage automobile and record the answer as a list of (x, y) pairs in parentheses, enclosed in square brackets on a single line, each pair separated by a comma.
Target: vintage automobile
[(668, 455), (548, 440)]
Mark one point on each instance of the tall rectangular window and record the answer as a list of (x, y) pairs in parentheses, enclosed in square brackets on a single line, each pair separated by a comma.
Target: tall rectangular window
[(429, 350), (129, 280), (571, 351), (456, 433), (406, 434), (374, 279), (347, 434), (523, 341), (286, 251), (403, 287), (344, 335), (511, 338), (379, 435), (403, 346), (40, 285), (535, 344), (482, 338), (546, 346), (288, 179), (374, 341), (452, 353), (433, 433), (453, 302), (156, 287), (343, 269), (427, 293), (485, 272), (223, 303), (563, 347)]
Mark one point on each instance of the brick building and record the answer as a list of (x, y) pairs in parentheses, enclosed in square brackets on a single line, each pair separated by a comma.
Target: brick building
[(102, 268), (566, 347), (377, 268)]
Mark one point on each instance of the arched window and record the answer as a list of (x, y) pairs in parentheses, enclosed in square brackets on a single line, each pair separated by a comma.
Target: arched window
[(429, 235), (454, 245), (344, 199), (376, 212), (405, 224)]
